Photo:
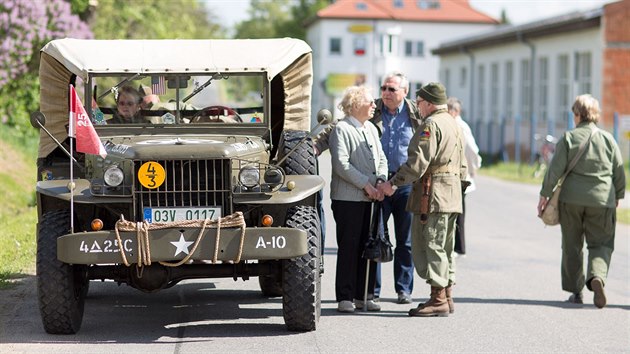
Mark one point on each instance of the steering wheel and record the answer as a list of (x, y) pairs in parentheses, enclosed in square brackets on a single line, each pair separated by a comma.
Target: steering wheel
[(216, 114)]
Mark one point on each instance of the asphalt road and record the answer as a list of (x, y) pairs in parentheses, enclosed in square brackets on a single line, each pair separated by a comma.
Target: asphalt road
[(508, 299)]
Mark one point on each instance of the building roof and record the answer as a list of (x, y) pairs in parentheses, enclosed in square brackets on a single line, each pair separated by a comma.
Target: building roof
[(509, 33), (458, 11)]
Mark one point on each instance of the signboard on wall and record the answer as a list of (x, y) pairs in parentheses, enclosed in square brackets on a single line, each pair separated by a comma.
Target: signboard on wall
[(337, 83)]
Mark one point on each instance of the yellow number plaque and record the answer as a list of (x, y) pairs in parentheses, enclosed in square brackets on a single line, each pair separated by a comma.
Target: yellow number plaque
[(151, 175)]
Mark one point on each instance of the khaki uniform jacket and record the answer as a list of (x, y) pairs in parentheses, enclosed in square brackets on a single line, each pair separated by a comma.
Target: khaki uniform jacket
[(436, 148), (321, 140), (598, 178)]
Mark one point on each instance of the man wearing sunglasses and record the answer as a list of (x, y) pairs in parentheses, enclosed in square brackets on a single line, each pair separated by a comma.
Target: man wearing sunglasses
[(396, 118)]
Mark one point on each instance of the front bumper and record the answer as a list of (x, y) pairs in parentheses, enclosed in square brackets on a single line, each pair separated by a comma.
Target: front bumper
[(173, 244)]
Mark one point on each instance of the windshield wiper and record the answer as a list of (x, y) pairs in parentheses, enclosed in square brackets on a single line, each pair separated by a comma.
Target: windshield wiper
[(115, 87), (206, 84)]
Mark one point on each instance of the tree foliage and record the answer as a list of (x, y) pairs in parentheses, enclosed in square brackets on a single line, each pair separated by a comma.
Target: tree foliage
[(25, 26), (277, 19), (153, 19)]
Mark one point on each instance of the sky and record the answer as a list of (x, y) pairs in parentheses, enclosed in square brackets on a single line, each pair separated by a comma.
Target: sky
[(518, 11)]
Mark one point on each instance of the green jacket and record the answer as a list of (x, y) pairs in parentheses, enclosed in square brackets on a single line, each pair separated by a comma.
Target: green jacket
[(437, 147), (598, 179)]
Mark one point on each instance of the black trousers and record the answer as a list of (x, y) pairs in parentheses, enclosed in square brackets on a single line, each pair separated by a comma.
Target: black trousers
[(460, 240), (352, 221)]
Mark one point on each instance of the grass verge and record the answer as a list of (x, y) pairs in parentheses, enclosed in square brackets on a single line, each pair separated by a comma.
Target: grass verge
[(18, 215)]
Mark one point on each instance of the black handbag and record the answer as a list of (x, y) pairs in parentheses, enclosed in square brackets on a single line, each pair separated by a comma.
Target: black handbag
[(378, 248)]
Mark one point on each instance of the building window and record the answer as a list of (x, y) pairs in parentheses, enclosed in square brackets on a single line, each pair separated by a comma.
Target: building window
[(563, 87), (335, 46), (361, 6), (420, 48), (447, 80), (360, 44), (525, 90), (413, 87), (494, 92), (409, 49), (399, 4), (481, 93), (389, 44), (509, 90), (428, 4), (543, 90), (583, 72), (462, 77)]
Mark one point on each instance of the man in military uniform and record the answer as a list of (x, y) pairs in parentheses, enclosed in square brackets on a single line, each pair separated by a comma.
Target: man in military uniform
[(436, 166)]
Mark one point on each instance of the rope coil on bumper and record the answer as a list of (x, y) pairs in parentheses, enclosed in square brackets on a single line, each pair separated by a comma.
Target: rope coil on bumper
[(144, 246)]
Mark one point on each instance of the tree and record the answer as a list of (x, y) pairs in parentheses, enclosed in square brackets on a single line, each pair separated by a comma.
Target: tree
[(265, 17), (302, 11), (153, 19), (277, 19), (504, 19), (25, 26)]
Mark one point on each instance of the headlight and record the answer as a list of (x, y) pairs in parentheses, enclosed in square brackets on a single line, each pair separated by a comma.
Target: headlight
[(113, 176), (273, 176), (249, 177)]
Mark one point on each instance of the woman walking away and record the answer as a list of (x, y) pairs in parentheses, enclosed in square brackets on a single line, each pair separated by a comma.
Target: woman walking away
[(588, 199)]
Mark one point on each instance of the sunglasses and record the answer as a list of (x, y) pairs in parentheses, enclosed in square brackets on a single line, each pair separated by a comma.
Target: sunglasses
[(390, 89)]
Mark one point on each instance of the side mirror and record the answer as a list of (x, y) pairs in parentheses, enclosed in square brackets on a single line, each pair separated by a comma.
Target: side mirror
[(38, 120), (324, 117)]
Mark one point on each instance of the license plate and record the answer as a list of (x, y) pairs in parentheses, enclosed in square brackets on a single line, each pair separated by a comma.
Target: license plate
[(178, 214)]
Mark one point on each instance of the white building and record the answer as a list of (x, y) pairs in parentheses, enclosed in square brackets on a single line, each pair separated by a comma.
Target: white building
[(359, 41), (519, 81)]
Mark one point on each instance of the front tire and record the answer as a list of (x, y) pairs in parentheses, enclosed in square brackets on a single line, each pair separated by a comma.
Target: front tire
[(301, 301), (61, 287)]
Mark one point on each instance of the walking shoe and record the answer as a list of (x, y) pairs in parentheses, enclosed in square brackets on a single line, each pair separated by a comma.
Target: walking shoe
[(575, 298), (599, 299), (345, 306), (404, 298), (371, 305)]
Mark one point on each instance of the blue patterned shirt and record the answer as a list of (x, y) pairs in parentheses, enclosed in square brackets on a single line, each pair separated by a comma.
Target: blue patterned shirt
[(397, 132)]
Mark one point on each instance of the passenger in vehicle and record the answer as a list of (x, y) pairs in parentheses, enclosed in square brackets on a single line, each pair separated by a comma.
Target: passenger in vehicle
[(128, 107)]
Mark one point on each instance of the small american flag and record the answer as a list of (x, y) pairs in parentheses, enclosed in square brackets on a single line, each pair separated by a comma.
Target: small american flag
[(158, 85)]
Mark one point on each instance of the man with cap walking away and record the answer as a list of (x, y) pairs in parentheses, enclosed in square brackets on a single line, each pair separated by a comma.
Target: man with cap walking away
[(436, 166)]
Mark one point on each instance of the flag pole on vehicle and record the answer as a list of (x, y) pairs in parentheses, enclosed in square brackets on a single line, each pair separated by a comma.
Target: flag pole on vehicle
[(80, 128)]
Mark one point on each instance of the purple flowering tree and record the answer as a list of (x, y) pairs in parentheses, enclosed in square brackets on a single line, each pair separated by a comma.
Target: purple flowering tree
[(25, 26)]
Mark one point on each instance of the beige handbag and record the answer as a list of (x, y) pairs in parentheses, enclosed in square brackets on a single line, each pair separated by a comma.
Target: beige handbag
[(551, 215)]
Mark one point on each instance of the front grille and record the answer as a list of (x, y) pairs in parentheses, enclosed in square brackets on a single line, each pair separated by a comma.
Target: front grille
[(188, 183)]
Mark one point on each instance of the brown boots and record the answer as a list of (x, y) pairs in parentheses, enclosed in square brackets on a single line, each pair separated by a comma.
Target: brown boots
[(437, 306), (449, 299)]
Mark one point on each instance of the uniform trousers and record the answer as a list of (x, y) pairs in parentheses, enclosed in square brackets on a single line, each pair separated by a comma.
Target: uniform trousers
[(352, 221), (432, 248), (596, 226)]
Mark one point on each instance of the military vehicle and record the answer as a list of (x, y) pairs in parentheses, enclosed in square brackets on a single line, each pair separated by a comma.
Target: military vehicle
[(209, 171)]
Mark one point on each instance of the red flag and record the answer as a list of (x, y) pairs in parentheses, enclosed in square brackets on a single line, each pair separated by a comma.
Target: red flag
[(82, 129)]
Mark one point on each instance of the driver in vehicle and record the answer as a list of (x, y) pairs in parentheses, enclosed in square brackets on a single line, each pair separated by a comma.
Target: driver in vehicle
[(128, 107)]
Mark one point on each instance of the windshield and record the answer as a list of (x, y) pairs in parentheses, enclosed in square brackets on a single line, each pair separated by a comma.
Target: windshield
[(177, 99)]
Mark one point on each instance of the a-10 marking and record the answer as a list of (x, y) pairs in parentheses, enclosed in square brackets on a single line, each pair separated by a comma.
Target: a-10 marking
[(106, 246), (276, 242)]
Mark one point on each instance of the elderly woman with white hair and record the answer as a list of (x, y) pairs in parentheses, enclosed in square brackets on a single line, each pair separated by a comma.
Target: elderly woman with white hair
[(588, 199), (358, 164)]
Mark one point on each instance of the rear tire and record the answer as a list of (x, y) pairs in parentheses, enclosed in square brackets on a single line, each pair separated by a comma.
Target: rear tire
[(61, 287), (301, 301)]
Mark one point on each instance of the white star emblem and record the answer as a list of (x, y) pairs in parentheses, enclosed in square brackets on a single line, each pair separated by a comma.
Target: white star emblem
[(182, 245)]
